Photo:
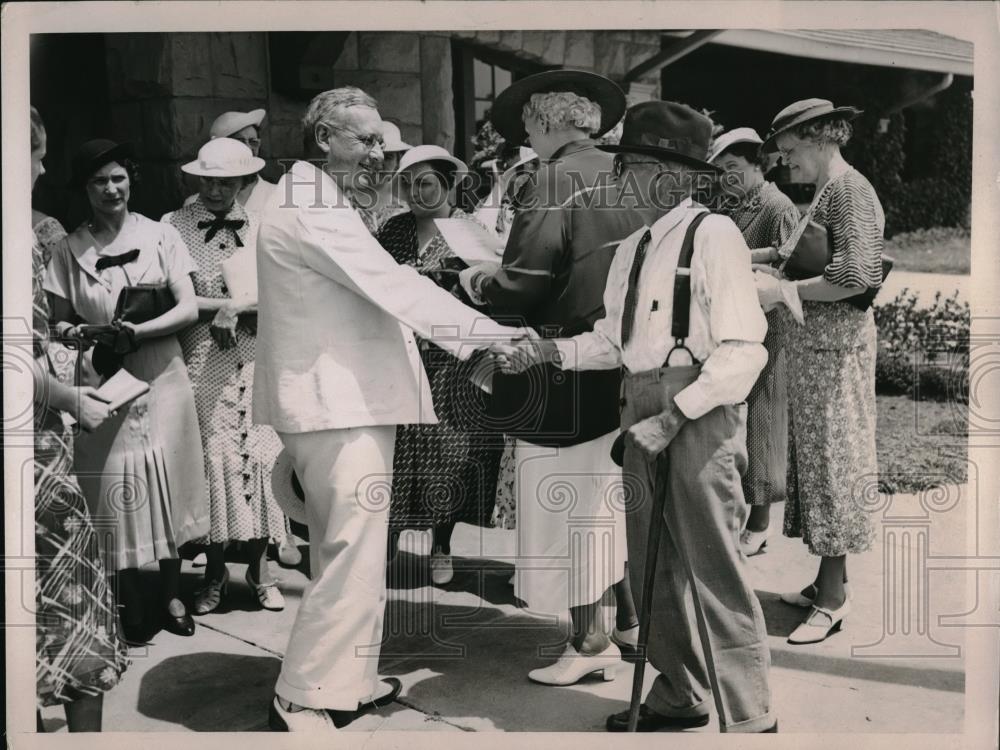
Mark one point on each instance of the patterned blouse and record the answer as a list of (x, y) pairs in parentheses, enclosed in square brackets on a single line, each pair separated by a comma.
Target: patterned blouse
[(765, 216), (850, 210)]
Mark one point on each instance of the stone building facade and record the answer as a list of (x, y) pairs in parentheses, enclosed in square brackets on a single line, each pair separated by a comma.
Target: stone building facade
[(161, 91)]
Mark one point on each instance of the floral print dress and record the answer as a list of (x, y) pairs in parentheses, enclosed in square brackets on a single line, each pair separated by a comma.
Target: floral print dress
[(76, 639), (833, 465)]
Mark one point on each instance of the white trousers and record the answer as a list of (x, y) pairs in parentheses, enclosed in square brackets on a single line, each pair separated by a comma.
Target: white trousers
[(333, 650)]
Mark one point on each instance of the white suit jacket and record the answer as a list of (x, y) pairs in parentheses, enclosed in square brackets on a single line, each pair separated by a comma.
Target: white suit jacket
[(336, 317)]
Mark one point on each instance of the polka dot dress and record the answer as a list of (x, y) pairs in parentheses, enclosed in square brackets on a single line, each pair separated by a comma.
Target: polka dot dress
[(239, 455)]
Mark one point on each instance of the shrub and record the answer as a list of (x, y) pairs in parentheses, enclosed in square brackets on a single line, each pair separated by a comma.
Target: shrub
[(923, 351)]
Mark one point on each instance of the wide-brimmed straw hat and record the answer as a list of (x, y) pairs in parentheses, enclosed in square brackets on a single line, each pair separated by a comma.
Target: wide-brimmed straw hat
[(224, 157), (801, 112), (666, 130), (393, 138), (233, 122), (508, 107), (93, 155), (730, 139), (418, 154), (286, 489)]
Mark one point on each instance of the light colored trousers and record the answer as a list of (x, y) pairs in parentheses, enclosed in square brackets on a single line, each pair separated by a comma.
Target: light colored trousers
[(703, 511), (333, 650)]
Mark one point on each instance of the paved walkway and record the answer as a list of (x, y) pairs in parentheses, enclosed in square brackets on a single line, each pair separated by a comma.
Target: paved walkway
[(925, 285), (463, 651)]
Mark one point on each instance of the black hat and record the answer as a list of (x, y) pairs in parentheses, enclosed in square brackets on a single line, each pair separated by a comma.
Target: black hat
[(806, 110), (508, 107), (666, 130), (93, 155)]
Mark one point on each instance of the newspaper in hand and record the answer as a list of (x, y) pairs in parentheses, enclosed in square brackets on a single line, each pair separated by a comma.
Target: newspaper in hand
[(239, 271), (470, 241)]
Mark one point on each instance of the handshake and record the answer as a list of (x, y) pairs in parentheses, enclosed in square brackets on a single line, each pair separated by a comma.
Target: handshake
[(523, 352)]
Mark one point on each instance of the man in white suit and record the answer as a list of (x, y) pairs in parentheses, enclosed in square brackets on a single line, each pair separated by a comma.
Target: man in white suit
[(337, 369)]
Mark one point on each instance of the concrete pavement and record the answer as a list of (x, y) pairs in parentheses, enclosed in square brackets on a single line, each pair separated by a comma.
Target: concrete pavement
[(463, 651)]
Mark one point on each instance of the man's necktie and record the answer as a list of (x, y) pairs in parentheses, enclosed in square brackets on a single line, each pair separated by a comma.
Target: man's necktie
[(110, 261), (213, 226), (632, 295)]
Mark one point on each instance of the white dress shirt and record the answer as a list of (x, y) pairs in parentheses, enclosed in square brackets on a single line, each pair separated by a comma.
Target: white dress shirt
[(727, 325)]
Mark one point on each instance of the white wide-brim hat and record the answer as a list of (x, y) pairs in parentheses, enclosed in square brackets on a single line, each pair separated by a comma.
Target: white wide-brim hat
[(286, 489), (419, 154), (233, 122), (525, 156), (394, 142), (224, 157), (731, 138)]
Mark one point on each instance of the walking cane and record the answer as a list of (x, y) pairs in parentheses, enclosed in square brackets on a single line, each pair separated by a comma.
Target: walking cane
[(649, 575)]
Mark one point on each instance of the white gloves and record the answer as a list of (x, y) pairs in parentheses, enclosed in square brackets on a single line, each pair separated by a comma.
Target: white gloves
[(772, 291)]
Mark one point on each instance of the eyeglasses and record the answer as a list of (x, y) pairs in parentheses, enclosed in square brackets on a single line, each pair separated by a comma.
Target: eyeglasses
[(249, 142), (368, 141)]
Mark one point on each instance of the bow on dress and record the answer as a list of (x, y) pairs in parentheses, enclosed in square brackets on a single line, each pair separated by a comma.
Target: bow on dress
[(213, 226)]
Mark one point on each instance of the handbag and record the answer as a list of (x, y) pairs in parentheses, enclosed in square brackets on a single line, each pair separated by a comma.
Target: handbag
[(143, 302), (813, 252), (546, 405)]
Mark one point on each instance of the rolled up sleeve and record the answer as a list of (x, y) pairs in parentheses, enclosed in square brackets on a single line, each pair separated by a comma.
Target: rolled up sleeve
[(723, 276)]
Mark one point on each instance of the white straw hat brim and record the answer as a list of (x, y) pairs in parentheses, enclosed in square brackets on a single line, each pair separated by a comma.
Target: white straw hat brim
[(240, 169), (284, 493)]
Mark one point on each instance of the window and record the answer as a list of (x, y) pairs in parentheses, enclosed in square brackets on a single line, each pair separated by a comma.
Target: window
[(479, 75)]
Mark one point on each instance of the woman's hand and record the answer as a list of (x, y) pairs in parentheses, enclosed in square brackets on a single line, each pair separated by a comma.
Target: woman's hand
[(223, 326), (764, 255), (91, 410)]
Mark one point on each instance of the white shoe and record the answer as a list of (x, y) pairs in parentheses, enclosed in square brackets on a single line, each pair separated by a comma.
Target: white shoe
[(798, 599), (572, 666), (303, 720), (267, 594), (200, 560), (752, 542), (626, 638), (820, 624), (288, 552), (442, 570)]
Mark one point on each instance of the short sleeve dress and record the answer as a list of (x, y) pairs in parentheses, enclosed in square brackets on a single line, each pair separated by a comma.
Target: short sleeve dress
[(444, 472), (767, 217), (142, 472), (76, 624), (833, 463), (239, 455)]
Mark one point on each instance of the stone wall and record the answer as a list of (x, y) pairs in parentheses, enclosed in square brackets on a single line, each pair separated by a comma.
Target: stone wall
[(166, 89)]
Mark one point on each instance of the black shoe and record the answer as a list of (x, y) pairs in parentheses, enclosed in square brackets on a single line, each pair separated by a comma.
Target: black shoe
[(342, 718), (134, 634), (650, 721), (182, 625)]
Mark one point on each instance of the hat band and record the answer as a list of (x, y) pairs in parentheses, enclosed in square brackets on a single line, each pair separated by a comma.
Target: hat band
[(798, 117), (684, 146), (224, 167)]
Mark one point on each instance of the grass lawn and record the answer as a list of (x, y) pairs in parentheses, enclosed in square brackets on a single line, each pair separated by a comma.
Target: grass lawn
[(921, 444), (939, 250)]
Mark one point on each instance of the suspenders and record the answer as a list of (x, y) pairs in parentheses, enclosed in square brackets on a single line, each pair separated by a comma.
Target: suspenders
[(681, 313)]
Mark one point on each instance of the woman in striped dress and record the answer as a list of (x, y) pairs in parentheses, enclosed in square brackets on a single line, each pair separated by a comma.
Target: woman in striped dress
[(831, 364), (766, 217)]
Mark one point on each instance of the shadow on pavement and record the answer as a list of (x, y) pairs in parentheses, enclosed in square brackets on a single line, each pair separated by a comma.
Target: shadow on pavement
[(210, 692)]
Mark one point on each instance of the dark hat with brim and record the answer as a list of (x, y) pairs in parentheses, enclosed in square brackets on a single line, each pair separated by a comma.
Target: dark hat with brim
[(667, 131), (93, 155), (508, 107), (801, 112)]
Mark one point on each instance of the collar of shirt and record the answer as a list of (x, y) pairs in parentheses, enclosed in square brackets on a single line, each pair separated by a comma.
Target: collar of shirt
[(662, 226), (312, 187), (86, 251), (571, 148)]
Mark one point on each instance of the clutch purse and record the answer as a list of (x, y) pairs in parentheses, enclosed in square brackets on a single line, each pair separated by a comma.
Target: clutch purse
[(812, 254), (142, 302)]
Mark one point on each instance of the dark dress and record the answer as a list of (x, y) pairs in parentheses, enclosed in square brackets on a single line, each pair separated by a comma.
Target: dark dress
[(76, 638), (767, 217), (444, 472)]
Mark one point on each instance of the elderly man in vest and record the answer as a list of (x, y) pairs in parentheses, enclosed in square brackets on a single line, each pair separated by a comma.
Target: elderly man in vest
[(555, 266), (690, 360), (337, 369)]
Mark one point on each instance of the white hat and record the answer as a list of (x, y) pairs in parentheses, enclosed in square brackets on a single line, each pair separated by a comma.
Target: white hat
[(524, 156), (419, 154), (286, 489), (224, 157), (233, 122), (393, 138), (731, 138)]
